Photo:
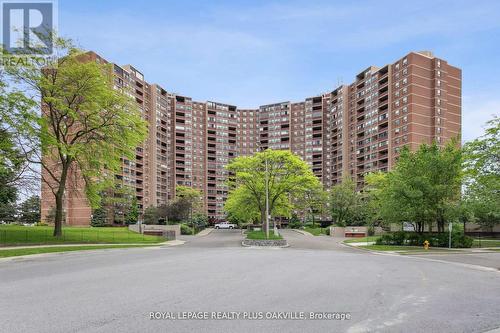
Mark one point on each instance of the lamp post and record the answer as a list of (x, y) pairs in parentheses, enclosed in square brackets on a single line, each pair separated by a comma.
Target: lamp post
[(267, 191), (267, 197)]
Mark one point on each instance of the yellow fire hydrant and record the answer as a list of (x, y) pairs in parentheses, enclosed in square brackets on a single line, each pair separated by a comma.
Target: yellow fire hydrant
[(426, 245)]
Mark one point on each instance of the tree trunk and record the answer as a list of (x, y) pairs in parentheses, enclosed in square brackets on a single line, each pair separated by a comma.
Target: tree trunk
[(59, 201), (58, 216), (263, 219)]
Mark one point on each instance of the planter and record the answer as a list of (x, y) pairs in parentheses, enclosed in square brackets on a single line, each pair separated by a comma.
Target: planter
[(265, 242)]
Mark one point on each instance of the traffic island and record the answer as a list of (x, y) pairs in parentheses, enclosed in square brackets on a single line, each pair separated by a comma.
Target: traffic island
[(265, 242), (258, 238)]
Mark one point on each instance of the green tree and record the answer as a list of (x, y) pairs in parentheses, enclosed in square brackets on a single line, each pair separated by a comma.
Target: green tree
[(187, 201), (12, 161), (29, 210), (344, 200), (312, 201), (8, 212), (423, 188), (133, 212), (99, 217), (151, 215), (482, 170), (287, 176), (241, 206), (85, 127), (192, 197)]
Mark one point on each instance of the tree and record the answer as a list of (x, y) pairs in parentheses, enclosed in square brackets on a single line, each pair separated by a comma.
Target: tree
[(85, 127), (151, 215), (423, 188), (12, 161), (313, 200), (287, 176), (344, 201), (99, 217), (187, 201), (133, 212), (191, 196), (241, 206), (8, 212), (29, 210), (51, 216), (482, 176)]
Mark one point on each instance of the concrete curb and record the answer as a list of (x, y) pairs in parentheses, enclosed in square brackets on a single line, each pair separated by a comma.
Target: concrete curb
[(77, 244), (305, 233), (53, 254), (205, 232), (264, 244)]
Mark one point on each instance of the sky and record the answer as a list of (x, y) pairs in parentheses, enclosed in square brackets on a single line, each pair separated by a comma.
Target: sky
[(250, 53)]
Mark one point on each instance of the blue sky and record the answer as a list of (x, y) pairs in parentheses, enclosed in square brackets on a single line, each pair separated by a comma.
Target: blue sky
[(249, 53)]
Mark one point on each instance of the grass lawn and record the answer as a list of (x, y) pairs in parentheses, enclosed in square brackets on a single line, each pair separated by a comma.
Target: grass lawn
[(405, 248), (38, 250), (11, 235), (316, 231), (262, 235), (362, 239), (486, 243)]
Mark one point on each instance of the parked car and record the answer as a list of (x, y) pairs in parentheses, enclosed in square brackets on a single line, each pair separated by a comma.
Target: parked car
[(225, 225)]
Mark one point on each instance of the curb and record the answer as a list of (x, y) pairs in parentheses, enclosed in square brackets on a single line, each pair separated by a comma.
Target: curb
[(205, 232), (255, 246), (52, 254), (302, 232)]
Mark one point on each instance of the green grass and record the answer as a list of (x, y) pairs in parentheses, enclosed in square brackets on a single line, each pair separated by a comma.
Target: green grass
[(11, 235), (362, 239), (486, 243), (405, 248), (39, 250), (262, 235), (316, 231), (497, 250)]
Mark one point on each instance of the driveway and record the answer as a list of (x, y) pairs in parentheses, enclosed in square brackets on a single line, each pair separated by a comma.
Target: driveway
[(116, 290)]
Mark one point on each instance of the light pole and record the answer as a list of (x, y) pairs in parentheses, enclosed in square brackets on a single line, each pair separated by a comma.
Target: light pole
[(267, 190), (267, 197)]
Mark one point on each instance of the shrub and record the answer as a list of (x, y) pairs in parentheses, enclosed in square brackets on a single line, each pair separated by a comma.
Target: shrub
[(458, 240), (295, 224), (186, 230), (399, 238)]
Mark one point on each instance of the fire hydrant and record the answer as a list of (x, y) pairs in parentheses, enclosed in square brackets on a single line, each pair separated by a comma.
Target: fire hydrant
[(426, 245)]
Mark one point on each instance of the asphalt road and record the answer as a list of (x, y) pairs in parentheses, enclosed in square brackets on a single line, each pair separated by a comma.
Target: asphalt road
[(115, 290)]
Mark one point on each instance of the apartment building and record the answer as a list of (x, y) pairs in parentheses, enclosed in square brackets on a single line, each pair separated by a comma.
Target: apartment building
[(351, 130)]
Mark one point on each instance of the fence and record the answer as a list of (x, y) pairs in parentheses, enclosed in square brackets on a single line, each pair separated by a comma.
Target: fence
[(34, 235)]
